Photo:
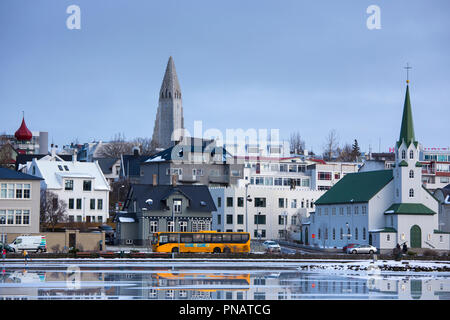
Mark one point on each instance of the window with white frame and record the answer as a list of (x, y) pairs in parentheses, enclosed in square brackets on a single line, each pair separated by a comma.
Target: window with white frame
[(170, 225), (363, 210), (411, 193), (153, 226), (15, 191), (411, 174), (14, 217), (341, 211), (177, 204), (183, 226)]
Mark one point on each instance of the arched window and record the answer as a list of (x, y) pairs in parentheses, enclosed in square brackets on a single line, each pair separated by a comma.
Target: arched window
[(334, 234), (403, 154), (356, 233), (318, 234), (364, 234), (411, 193), (342, 234), (326, 234), (411, 174), (411, 154)]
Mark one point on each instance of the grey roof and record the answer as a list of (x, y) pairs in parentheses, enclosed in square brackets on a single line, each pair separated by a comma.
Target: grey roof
[(106, 164), (195, 193), (170, 81), (7, 174), (189, 145)]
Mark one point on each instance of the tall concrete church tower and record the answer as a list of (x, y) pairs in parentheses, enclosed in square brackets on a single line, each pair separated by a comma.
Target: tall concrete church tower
[(169, 122)]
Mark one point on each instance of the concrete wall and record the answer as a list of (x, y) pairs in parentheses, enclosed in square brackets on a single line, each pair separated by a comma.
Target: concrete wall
[(85, 241)]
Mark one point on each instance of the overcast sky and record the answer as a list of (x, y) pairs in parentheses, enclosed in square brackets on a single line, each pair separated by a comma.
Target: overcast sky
[(306, 66)]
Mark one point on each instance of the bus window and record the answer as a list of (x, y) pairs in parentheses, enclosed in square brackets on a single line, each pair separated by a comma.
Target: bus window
[(226, 237), (236, 238), (198, 238), (163, 239), (207, 237), (186, 238), (216, 238), (245, 237), (173, 238)]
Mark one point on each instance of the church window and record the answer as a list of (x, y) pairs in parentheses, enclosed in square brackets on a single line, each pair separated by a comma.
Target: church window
[(334, 234), (411, 174), (403, 154), (364, 234), (342, 234), (356, 233), (411, 154), (411, 193)]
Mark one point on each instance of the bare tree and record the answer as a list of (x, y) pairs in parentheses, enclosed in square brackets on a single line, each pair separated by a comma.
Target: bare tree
[(331, 146), (345, 154), (116, 147), (146, 147), (296, 143), (52, 209)]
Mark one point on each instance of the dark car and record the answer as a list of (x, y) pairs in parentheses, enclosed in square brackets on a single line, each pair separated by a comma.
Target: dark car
[(7, 247), (109, 233), (350, 245)]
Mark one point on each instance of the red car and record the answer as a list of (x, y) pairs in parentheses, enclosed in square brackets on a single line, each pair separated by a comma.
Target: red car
[(350, 245)]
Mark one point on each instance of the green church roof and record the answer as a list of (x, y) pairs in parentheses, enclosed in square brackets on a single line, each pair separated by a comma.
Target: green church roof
[(403, 164), (356, 187), (409, 208), (407, 128)]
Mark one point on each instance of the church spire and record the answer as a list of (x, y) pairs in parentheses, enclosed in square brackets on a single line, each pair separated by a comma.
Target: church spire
[(407, 128), (170, 87)]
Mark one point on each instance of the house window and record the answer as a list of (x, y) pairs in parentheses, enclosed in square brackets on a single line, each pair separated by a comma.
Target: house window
[(260, 219), (153, 226), (403, 154), (341, 211), (183, 226), (18, 191), (260, 202), (78, 203), (319, 211), (71, 203), (294, 203), (229, 201), (219, 219), (411, 174), (280, 202), (87, 185), (325, 211), (363, 210), (341, 234), (229, 219), (99, 218), (99, 204), (334, 234), (240, 219), (411, 154), (26, 191), (68, 185), (240, 201), (388, 237), (411, 193), (356, 210), (324, 175), (170, 226), (333, 211), (349, 211), (177, 205), (364, 234), (92, 204), (219, 202), (356, 233)]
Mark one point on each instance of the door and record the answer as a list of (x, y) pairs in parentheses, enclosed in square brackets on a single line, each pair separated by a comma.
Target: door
[(72, 240), (416, 236)]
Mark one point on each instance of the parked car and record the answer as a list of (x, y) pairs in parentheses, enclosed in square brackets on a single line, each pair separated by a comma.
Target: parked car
[(32, 243), (350, 245), (7, 247), (362, 248), (271, 246)]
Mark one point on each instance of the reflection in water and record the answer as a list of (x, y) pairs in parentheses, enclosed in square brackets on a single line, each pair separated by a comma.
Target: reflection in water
[(229, 284)]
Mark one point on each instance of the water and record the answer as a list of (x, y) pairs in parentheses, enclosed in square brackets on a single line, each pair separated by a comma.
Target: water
[(167, 283)]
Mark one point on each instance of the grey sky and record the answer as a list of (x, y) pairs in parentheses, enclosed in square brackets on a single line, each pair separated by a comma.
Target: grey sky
[(307, 66)]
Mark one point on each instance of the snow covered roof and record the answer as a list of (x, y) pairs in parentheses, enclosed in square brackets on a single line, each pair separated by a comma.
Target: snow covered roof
[(54, 171), (126, 219)]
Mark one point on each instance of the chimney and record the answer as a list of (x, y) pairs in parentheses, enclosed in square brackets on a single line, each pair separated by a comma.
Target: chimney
[(155, 180), (174, 180)]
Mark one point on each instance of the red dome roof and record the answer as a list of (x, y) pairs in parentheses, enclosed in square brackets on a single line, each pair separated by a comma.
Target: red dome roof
[(23, 134)]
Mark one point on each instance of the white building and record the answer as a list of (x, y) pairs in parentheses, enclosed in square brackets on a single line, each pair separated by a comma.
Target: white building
[(383, 208), (81, 185), (271, 212)]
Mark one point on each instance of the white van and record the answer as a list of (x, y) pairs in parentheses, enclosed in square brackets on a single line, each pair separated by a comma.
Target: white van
[(32, 243)]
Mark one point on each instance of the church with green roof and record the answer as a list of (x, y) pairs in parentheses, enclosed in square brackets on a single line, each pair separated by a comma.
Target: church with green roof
[(382, 208)]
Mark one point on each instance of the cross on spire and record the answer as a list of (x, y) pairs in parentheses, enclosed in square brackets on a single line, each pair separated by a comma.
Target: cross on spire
[(407, 72)]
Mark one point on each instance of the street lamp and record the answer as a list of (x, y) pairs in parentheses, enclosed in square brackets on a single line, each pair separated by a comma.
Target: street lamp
[(285, 214), (247, 199), (3, 223)]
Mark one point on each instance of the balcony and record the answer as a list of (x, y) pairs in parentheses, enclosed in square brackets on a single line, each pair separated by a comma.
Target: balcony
[(219, 179)]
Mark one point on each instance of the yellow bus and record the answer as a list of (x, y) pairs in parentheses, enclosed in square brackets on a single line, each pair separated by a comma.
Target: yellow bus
[(203, 241)]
